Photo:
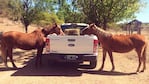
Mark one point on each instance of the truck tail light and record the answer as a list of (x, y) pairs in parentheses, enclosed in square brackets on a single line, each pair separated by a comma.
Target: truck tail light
[(47, 45), (95, 46), (47, 41)]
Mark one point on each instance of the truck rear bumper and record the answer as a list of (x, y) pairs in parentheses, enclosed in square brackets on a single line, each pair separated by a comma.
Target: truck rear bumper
[(78, 58)]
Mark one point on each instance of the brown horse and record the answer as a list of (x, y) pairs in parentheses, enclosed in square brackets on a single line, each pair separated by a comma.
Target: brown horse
[(26, 41), (119, 43)]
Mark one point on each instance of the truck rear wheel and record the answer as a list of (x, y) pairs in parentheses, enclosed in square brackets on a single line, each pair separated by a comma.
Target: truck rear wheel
[(92, 64)]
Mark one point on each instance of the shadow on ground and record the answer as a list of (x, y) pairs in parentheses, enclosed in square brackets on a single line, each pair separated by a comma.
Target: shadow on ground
[(48, 69), (110, 73), (57, 69)]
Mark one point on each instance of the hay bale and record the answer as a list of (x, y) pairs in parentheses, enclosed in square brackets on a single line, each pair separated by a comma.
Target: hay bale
[(72, 32)]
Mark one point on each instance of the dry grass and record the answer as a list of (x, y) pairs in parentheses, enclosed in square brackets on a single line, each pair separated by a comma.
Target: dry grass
[(7, 25)]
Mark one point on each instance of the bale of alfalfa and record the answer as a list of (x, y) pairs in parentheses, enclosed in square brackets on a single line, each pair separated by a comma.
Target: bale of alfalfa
[(72, 32)]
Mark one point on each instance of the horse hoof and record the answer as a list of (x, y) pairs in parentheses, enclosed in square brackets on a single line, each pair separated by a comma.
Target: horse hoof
[(15, 67), (137, 71), (112, 70), (101, 69), (142, 71), (6, 66)]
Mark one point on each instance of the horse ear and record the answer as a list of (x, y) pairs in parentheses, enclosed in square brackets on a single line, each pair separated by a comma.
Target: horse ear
[(92, 25), (55, 25), (43, 30)]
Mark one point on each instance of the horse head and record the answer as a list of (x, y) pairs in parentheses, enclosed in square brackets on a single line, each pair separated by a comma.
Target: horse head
[(89, 30), (54, 29)]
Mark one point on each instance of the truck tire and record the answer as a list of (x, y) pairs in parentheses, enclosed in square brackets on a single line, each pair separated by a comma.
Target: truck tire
[(92, 64)]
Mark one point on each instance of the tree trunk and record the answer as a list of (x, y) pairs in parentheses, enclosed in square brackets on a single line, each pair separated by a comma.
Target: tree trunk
[(105, 24), (98, 23), (26, 28), (26, 23)]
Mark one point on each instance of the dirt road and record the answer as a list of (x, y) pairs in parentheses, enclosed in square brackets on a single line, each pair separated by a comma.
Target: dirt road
[(67, 73), (125, 64)]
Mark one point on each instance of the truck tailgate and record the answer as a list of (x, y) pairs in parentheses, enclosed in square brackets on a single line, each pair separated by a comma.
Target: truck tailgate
[(71, 44)]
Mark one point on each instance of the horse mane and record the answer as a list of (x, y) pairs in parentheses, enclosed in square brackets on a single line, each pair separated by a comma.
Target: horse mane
[(36, 32), (103, 33)]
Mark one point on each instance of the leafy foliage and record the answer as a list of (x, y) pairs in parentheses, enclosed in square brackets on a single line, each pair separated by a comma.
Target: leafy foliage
[(42, 12), (47, 19), (102, 12), (3, 6), (68, 11), (28, 11)]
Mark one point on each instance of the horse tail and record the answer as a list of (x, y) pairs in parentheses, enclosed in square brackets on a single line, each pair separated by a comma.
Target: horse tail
[(144, 57), (3, 56), (0, 45), (145, 48), (4, 53), (1, 34), (0, 37)]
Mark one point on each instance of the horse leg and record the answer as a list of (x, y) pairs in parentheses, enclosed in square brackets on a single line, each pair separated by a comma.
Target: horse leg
[(11, 57), (39, 56), (103, 59), (4, 57), (111, 59), (139, 58), (144, 63)]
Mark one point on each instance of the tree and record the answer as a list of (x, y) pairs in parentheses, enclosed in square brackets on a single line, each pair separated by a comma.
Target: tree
[(28, 10), (102, 12), (68, 11), (47, 19), (3, 7)]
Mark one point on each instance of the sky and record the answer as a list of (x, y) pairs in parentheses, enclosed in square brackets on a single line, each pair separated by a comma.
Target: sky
[(143, 15)]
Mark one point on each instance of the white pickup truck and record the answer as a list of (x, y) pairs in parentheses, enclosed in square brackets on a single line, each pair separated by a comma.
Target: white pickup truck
[(73, 48)]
